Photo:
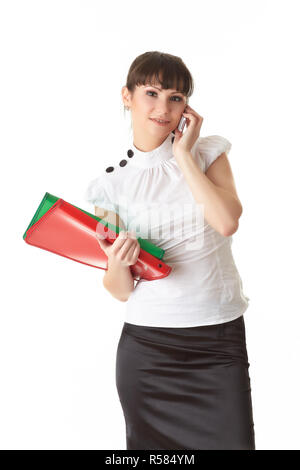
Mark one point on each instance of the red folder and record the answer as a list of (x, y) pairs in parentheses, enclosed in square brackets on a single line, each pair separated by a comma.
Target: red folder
[(70, 232)]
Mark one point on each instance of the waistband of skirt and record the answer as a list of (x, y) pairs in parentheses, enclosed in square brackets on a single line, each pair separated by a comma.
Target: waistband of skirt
[(193, 334)]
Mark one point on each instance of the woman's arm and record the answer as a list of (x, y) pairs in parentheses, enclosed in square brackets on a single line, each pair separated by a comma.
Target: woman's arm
[(117, 280), (216, 190)]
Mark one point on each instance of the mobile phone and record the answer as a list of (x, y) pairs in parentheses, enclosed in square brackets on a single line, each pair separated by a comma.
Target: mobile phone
[(181, 124)]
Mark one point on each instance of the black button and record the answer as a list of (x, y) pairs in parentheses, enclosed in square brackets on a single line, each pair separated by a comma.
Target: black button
[(123, 162), (109, 169), (173, 139), (130, 153)]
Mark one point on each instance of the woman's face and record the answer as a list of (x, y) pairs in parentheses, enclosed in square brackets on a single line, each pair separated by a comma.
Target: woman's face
[(150, 102)]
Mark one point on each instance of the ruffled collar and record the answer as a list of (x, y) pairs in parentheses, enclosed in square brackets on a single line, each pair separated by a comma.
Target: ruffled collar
[(153, 158)]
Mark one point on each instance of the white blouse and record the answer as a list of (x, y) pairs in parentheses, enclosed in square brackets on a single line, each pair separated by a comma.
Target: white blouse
[(149, 192)]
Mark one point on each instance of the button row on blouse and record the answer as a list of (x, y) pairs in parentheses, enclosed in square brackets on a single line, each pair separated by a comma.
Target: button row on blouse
[(130, 154)]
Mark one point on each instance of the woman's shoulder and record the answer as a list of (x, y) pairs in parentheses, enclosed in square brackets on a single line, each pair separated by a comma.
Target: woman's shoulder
[(206, 149), (214, 142)]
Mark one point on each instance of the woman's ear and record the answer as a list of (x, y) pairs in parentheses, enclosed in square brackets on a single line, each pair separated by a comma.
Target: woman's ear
[(125, 96)]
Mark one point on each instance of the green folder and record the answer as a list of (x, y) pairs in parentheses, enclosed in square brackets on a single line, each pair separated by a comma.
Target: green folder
[(48, 201)]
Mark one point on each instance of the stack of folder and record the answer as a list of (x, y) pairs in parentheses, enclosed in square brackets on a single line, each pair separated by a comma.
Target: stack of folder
[(67, 230)]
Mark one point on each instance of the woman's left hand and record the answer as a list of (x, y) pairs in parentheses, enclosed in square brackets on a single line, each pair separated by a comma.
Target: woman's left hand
[(184, 142)]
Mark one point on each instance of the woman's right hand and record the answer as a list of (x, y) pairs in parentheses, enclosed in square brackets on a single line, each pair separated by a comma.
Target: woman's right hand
[(123, 251)]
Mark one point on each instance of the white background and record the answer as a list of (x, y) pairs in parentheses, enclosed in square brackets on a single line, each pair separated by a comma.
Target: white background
[(63, 64)]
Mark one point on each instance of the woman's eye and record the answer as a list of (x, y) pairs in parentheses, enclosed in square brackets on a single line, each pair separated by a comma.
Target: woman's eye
[(150, 92), (179, 97)]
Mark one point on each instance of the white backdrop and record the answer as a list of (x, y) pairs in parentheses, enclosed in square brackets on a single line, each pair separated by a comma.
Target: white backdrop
[(63, 65)]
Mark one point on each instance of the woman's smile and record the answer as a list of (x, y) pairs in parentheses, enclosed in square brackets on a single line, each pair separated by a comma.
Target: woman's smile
[(160, 123)]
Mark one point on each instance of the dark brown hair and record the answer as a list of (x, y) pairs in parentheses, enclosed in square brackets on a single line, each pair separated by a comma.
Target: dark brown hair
[(167, 69)]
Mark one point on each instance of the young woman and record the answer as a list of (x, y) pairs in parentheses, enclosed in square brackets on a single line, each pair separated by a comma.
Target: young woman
[(182, 365)]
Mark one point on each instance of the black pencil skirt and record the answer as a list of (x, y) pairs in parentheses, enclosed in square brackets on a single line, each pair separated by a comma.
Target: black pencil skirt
[(185, 388)]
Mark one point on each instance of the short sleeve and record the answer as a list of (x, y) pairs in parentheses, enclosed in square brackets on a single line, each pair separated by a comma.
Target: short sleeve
[(210, 148), (100, 194)]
